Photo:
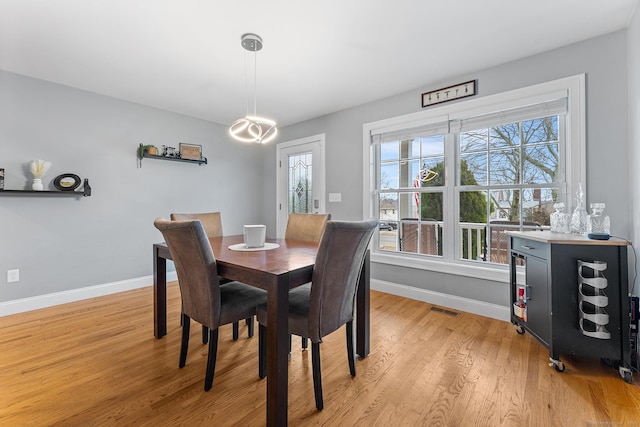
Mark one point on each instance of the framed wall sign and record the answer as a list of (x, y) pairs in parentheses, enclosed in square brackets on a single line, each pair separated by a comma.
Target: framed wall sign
[(461, 90), (190, 151)]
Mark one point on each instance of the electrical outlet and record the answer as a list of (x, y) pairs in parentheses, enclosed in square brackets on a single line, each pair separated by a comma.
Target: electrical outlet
[(13, 276)]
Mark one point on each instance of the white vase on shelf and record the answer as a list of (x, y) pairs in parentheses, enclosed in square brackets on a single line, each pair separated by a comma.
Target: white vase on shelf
[(37, 184), (38, 168)]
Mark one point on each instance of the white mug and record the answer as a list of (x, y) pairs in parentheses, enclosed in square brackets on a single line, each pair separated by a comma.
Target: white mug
[(255, 235)]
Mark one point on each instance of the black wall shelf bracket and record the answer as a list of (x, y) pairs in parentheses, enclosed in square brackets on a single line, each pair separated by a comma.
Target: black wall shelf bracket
[(202, 161)]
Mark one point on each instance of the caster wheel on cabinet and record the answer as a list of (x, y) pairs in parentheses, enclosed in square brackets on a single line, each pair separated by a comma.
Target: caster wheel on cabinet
[(557, 364), (626, 375)]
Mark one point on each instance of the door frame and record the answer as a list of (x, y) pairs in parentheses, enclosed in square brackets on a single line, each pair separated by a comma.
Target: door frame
[(310, 142)]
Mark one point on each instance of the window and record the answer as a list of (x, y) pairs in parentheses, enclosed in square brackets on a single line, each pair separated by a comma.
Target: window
[(405, 166), (447, 183), (509, 176)]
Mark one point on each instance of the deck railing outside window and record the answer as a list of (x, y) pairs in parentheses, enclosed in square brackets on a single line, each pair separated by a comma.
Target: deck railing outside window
[(425, 237)]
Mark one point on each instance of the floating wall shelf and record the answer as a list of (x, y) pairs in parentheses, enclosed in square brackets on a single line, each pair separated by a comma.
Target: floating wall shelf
[(43, 193), (146, 155), (85, 192), (202, 161)]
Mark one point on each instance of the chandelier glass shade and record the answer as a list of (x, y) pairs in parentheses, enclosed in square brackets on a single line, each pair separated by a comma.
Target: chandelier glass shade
[(253, 128)]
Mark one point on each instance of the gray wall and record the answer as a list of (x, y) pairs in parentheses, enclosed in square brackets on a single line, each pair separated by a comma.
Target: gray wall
[(633, 73), (603, 59), (66, 243)]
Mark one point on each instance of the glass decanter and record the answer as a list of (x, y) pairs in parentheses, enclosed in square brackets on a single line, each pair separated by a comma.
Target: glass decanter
[(559, 219), (598, 222), (579, 218)]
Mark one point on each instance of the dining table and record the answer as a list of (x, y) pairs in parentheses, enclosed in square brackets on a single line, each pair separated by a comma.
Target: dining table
[(286, 265)]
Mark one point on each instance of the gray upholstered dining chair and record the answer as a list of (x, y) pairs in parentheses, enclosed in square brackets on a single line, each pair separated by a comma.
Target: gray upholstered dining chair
[(203, 298), (212, 223), (308, 227), (329, 302)]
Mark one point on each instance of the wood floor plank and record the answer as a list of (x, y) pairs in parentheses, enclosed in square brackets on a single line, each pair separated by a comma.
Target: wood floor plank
[(96, 362)]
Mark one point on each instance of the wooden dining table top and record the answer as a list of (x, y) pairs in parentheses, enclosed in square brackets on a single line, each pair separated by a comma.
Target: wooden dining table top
[(293, 257)]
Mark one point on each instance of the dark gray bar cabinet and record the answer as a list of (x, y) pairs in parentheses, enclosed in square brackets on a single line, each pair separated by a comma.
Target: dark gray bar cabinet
[(576, 292)]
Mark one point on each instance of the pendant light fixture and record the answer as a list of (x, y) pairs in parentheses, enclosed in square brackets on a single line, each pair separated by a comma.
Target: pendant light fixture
[(253, 128)]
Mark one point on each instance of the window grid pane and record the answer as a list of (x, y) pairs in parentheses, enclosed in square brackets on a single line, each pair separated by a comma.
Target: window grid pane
[(410, 208)]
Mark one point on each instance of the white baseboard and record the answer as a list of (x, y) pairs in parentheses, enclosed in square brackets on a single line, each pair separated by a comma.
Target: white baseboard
[(493, 311), (48, 300)]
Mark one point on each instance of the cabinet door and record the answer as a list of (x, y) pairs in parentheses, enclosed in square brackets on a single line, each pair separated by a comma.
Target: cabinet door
[(536, 273)]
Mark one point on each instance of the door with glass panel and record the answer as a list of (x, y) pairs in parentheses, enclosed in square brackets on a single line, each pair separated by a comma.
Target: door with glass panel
[(300, 180)]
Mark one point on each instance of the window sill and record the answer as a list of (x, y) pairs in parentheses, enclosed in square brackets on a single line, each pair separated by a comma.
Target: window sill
[(493, 272)]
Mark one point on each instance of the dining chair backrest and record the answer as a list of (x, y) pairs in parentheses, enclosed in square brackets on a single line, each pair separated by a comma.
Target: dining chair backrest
[(335, 275), (308, 227), (196, 268), (211, 221)]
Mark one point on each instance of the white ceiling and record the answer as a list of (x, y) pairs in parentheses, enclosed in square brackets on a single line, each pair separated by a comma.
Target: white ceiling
[(318, 57)]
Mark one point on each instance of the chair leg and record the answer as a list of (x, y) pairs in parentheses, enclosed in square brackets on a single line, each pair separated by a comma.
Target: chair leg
[(235, 331), (205, 334), (262, 351), (305, 343), (211, 359), (317, 378), (350, 353), (249, 322), (186, 323)]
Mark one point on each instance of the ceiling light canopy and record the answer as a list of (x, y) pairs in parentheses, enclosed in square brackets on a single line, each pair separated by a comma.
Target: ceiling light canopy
[(253, 128)]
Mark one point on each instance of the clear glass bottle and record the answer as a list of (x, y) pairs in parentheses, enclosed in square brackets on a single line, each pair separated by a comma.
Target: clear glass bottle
[(579, 218), (598, 222), (559, 219)]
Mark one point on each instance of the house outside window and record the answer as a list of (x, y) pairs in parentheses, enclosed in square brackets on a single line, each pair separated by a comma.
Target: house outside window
[(453, 180)]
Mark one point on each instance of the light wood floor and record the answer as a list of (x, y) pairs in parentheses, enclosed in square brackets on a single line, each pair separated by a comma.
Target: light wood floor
[(96, 362)]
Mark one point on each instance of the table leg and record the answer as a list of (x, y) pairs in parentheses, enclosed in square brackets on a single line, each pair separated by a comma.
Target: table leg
[(159, 294), (277, 351), (362, 311)]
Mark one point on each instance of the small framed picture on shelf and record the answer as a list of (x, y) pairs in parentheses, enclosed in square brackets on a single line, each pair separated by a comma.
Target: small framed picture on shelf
[(67, 182), (190, 151)]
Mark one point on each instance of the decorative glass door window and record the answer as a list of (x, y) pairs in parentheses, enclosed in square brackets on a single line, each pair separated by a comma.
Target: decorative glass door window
[(300, 194)]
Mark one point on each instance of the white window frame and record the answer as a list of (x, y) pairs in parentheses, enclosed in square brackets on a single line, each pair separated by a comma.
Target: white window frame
[(573, 88)]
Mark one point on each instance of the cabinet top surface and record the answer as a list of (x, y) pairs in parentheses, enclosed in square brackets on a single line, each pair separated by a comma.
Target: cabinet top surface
[(565, 239)]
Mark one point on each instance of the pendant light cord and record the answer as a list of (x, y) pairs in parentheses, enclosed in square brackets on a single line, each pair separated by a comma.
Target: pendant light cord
[(255, 82), (246, 84)]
